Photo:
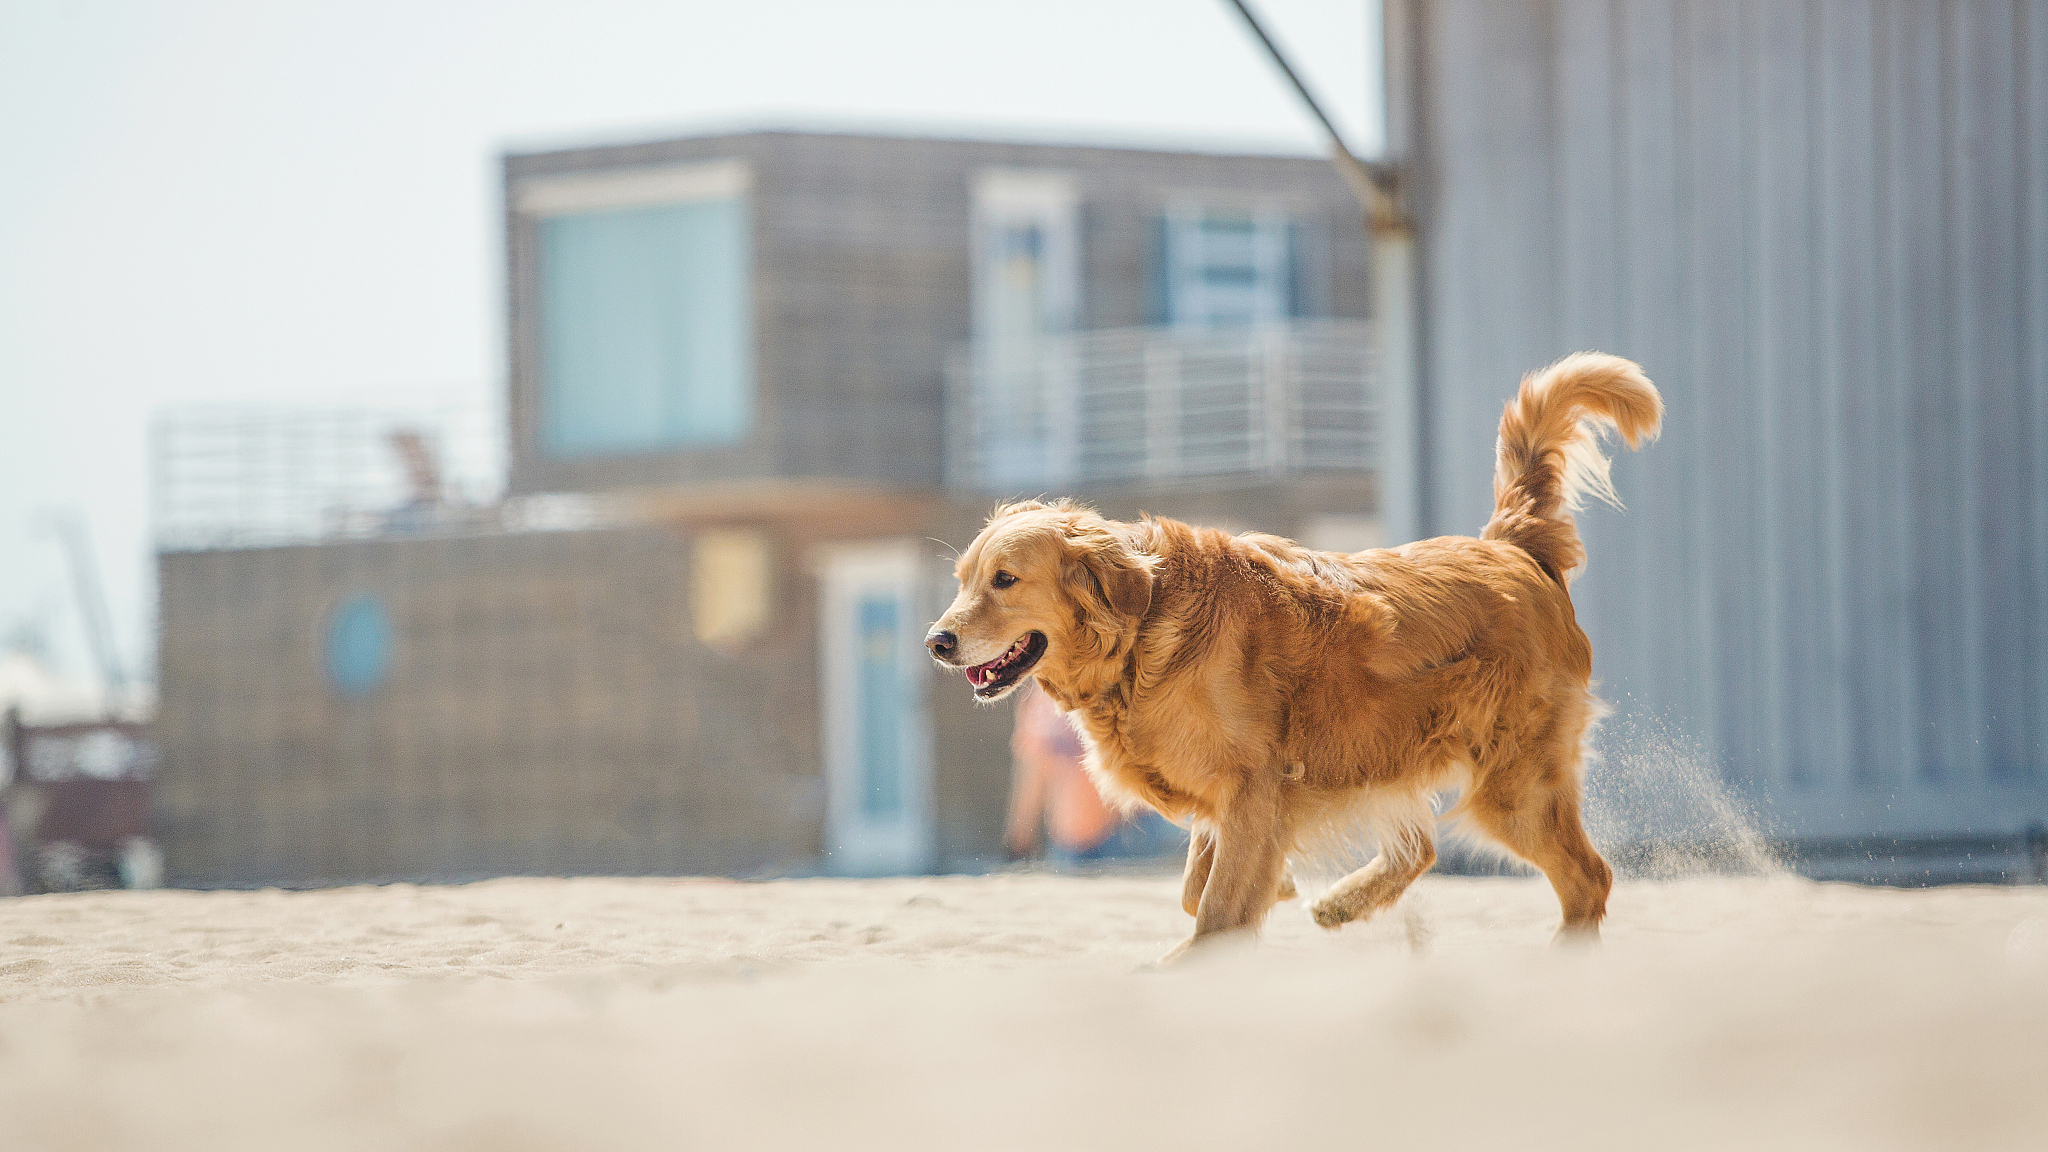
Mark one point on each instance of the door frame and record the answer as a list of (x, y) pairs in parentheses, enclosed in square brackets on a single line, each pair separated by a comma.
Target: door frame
[(854, 844)]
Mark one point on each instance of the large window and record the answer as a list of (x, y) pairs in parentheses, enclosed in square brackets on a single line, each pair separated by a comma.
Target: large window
[(1027, 262), (1223, 268), (645, 323), (1027, 293)]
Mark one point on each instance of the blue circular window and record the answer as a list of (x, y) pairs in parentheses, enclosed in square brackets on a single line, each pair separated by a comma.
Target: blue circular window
[(358, 645)]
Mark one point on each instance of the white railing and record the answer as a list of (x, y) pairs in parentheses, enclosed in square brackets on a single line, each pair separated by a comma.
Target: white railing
[(1153, 405), (242, 475)]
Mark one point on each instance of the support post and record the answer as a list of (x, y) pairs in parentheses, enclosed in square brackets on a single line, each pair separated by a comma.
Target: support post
[(1397, 432)]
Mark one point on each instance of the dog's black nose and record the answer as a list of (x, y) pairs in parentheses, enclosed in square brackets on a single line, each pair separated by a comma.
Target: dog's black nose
[(942, 644)]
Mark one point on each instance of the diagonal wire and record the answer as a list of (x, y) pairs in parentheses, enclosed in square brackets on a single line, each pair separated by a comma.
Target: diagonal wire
[(1380, 209)]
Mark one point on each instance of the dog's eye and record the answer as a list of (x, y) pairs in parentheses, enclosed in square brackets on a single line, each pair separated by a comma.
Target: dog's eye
[(1003, 580)]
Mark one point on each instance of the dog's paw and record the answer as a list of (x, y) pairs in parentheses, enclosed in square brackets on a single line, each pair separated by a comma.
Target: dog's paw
[(1287, 889), (1215, 946), (1576, 936), (1331, 914), (1173, 956)]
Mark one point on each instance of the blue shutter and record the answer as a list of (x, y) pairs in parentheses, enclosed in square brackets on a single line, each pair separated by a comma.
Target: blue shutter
[(1303, 299), (646, 329), (1159, 305)]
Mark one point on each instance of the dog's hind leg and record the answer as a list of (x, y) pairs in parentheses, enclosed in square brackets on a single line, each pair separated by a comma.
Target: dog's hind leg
[(1404, 855), (1549, 835), (1538, 820)]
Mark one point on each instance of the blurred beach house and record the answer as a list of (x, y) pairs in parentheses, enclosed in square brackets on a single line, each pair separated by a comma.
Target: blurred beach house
[(756, 380)]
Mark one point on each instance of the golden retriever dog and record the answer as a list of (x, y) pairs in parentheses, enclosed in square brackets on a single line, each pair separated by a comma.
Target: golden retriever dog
[(1268, 695)]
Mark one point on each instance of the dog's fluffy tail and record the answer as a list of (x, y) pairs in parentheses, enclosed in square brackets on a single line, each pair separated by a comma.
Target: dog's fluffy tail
[(1548, 457)]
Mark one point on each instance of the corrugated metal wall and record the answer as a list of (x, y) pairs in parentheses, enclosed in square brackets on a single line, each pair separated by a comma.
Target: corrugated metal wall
[(1823, 228)]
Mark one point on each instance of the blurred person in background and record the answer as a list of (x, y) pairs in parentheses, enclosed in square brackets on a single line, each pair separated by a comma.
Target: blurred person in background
[(1052, 798), (10, 876), (10, 873)]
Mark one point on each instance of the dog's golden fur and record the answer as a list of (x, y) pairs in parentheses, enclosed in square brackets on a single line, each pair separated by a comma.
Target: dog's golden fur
[(1265, 693)]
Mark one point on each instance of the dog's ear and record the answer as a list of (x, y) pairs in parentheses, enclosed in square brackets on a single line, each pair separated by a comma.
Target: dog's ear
[(1123, 575), (1126, 584)]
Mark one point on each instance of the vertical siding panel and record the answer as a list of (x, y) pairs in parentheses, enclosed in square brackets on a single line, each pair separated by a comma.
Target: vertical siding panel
[(1640, 658), (1499, 263), (1591, 286), (1966, 308), (1778, 73), (1848, 407), (1655, 256), (1639, 554), (1590, 307), (1884, 731), (1722, 388), (1787, 324), (1753, 576), (1819, 547), (2034, 288), (1462, 263), (2003, 480), (1694, 398), (1530, 208), (1925, 338)]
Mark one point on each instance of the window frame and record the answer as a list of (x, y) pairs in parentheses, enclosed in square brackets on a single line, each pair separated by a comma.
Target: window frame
[(1181, 280), (536, 200)]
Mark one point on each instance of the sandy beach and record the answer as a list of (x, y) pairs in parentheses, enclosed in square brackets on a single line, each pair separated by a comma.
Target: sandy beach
[(1003, 1012)]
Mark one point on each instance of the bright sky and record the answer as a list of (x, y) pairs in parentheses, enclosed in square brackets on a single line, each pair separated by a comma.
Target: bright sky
[(208, 200)]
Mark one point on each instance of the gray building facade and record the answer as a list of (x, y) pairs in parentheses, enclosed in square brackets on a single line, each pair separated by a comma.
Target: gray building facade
[(863, 279)]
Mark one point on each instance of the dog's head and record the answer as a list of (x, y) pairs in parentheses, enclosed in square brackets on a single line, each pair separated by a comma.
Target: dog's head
[(1046, 589)]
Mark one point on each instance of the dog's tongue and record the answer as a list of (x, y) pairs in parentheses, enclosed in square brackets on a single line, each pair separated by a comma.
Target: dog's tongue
[(981, 674)]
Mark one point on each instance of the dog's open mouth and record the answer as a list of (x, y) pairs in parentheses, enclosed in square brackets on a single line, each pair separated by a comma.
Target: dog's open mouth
[(992, 678)]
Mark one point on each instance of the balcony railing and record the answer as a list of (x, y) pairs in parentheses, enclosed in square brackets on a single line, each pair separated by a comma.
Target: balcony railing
[(244, 475), (1155, 405)]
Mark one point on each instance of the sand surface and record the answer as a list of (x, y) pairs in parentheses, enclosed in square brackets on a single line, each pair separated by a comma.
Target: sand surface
[(1002, 1012)]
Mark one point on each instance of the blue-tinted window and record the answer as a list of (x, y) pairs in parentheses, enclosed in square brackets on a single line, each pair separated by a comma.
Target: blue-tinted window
[(358, 646), (646, 329)]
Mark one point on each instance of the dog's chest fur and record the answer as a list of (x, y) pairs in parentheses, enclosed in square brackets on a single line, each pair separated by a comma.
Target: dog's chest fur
[(1182, 770), (1195, 706)]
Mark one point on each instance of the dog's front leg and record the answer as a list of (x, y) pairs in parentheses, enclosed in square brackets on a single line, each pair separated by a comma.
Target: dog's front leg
[(1246, 855), (1201, 857)]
